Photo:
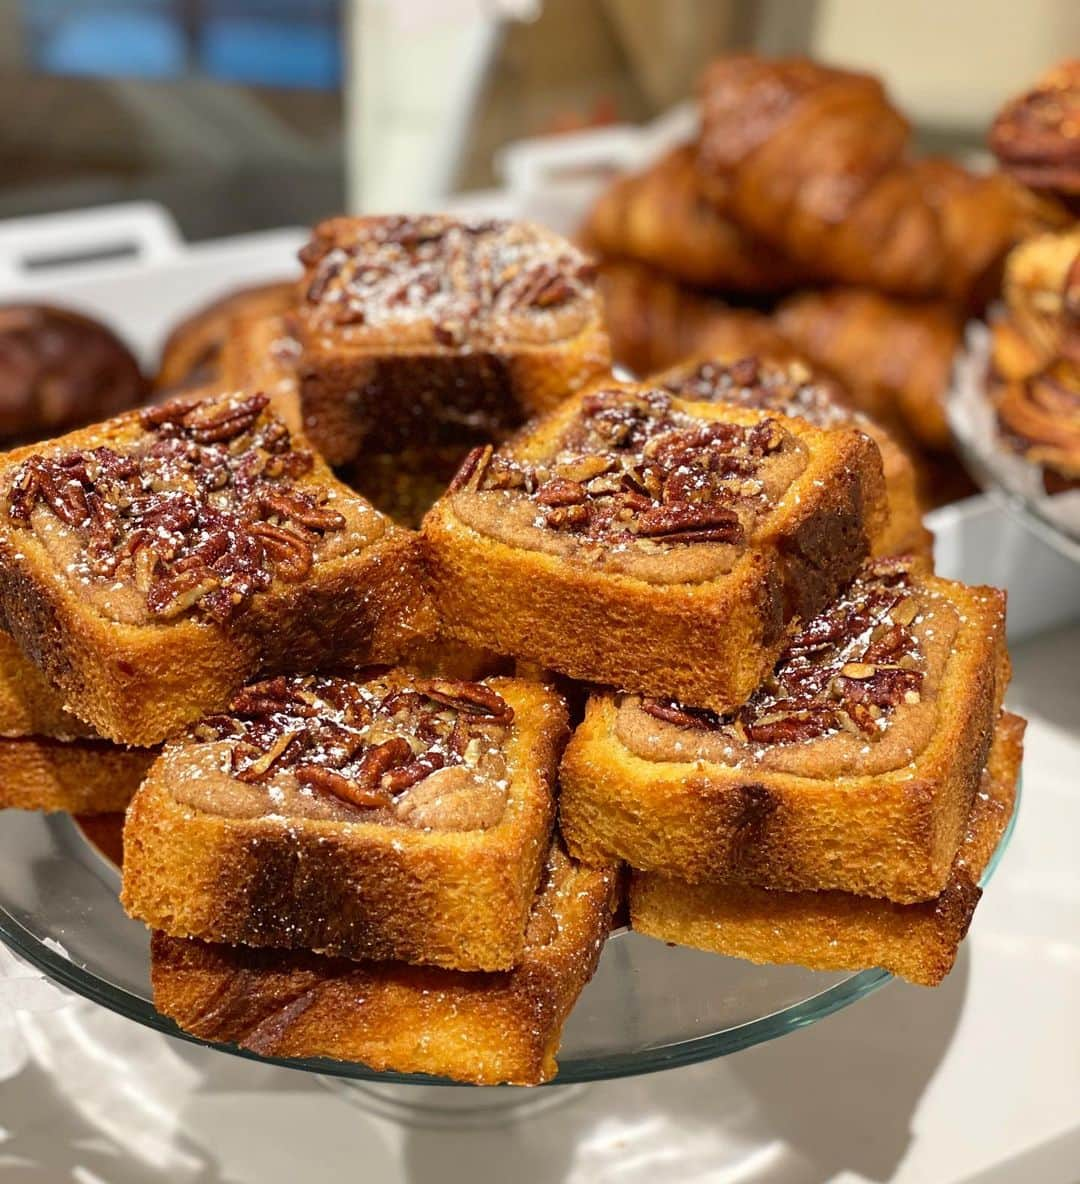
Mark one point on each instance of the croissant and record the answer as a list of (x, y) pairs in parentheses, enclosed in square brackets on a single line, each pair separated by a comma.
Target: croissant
[(661, 216), (1036, 136), (653, 322), (814, 160), (895, 357)]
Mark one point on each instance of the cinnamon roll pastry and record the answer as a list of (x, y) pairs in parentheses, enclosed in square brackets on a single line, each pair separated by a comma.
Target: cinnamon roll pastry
[(1040, 417), (661, 216), (1036, 135), (815, 160)]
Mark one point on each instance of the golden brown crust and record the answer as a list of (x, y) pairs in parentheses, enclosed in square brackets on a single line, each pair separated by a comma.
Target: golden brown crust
[(362, 890), (192, 353), (468, 356), (481, 1028), (600, 625), (837, 930), (661, 217), (76, 776), (260, 353), (895, 357), (29, 705), (138, 683), (814, 160), (653, 322), (892, 835)]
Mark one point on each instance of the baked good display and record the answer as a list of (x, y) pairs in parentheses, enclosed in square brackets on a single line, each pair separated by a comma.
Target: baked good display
[(405, 485), (613, 535), (486, 1029), (390, 817), (852, 767), (661, 217), (154, 563), (653, 322), (59, 370), (69, 776), (49, 759), (192, 353), (412, 328), (790, 388), (1036, 135), (1034, 370), (895, 357), (838, 930), (815, 160)]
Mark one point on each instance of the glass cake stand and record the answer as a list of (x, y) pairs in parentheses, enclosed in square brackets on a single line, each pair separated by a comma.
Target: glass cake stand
[(996, 468), (649, 1006)]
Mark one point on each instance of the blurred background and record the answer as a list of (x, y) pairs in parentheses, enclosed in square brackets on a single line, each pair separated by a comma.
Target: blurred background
[(245, 114)]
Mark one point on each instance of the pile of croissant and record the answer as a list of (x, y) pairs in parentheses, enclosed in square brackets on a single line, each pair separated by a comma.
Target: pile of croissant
[(801, 219)]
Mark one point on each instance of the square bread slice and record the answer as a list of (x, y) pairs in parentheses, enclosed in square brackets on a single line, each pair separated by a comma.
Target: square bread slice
[(837, 930), (789, 386), (390, 817), (409, 326), (153, 564), (853, 766), (486, 1029), (29, 704), (73, 776), (654, 544)]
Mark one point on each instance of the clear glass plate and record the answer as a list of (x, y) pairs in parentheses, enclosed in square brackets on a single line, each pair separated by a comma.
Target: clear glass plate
[(648, 1007)]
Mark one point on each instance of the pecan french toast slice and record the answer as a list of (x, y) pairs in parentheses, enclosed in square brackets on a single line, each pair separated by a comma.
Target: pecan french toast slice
[(388, 816), (790, 387), (485, 1029), (414, 328), (154, 563), (853, 766), (640, 540), (838, 930)]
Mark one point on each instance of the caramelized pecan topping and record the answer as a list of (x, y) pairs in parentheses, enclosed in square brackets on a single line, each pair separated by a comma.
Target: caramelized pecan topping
[(762, 385), (458, 274), (633, 467), (199, 512), (363, 742), (846, 670)]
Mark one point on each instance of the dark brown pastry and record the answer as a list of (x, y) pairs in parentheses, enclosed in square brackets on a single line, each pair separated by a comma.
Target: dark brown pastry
[(654, 322), (60, 370), (1036, 136), (815, 160), (894, 357), (660, 216)]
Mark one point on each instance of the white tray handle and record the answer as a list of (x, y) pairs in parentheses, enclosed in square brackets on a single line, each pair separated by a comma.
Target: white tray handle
[(54, 243)]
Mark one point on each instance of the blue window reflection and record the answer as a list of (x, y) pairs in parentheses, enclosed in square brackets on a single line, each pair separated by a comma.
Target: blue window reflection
[(280, 43)]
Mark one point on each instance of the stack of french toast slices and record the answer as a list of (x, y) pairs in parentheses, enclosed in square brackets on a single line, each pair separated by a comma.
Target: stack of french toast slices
[(381, 784)]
